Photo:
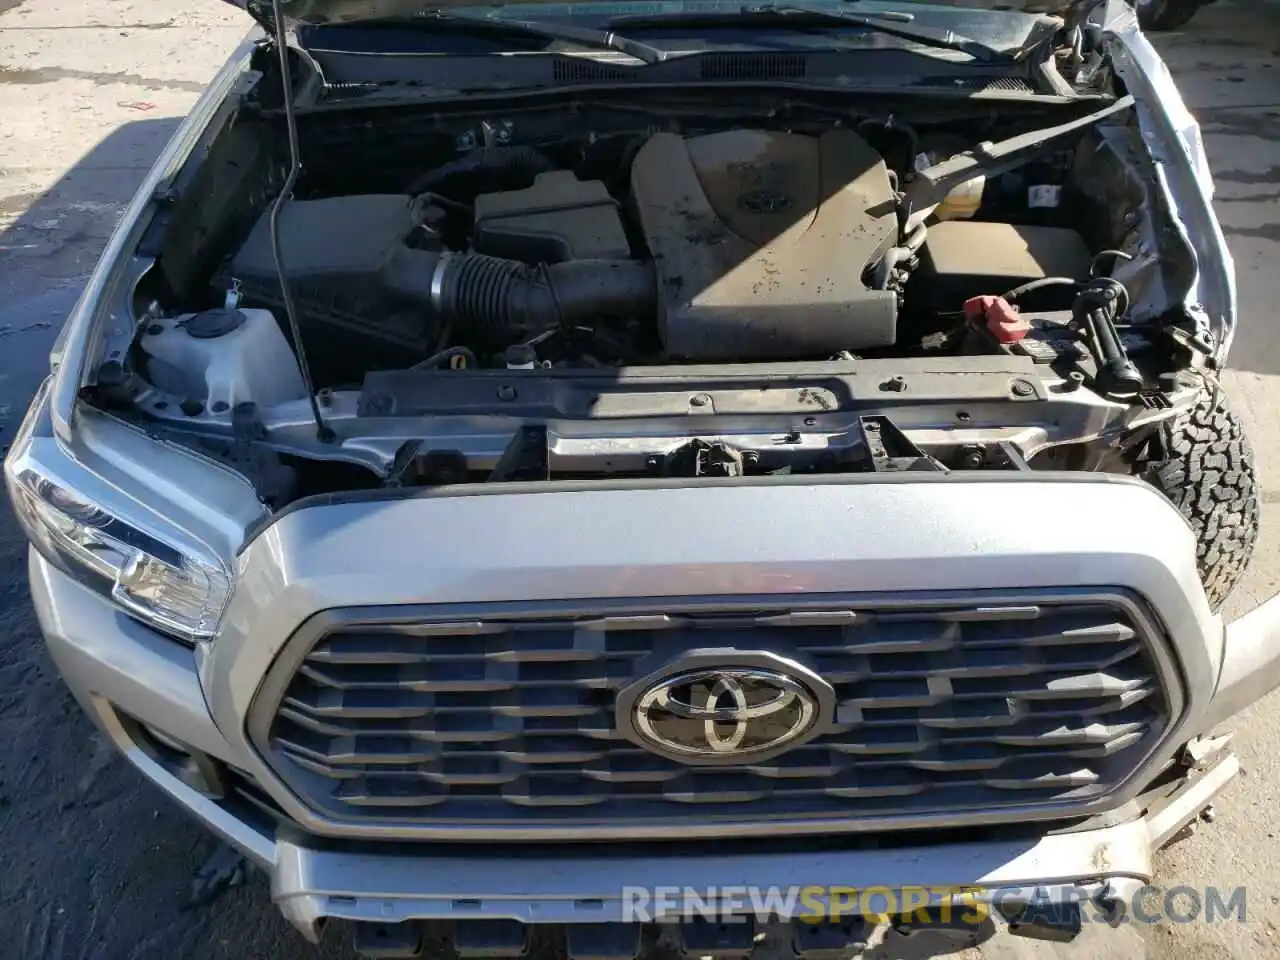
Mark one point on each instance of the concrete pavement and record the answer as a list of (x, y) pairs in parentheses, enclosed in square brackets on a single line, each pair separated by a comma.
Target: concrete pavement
[(96, 865)]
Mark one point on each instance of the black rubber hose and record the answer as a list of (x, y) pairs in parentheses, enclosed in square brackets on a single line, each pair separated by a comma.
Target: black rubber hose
[(488, 168), (506, 300), (488, 295)]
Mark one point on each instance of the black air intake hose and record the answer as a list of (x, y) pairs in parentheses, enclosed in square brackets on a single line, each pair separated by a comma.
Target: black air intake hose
[(488, 168), (505, 300)]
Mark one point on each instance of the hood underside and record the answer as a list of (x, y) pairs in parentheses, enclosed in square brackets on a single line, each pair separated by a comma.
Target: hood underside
[(319, 12)]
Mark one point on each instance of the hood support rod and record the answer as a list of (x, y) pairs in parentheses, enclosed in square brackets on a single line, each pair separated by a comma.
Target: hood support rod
[(323, 432)]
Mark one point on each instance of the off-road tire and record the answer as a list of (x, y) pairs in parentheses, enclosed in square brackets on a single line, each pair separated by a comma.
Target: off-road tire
[(1160, 15), (1204, 464)]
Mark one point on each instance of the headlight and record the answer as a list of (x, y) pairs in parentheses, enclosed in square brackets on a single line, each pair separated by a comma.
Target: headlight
[(181, 590)]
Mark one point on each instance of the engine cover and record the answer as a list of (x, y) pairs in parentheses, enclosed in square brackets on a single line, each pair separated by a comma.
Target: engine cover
[(760, 241)]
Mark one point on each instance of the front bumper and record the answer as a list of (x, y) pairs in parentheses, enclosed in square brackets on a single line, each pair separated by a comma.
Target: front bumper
[(1095, 865), (126, 675), (113, 666)]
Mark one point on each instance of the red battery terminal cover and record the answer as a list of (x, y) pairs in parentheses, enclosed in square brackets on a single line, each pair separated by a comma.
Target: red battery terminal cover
[(999, 316)]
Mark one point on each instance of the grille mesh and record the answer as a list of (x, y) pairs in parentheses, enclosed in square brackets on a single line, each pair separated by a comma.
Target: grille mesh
[(977, 84), (510, 721), (753, 66), (569, 70)]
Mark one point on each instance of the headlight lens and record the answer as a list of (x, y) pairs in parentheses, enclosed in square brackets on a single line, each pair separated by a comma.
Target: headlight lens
[(175, 590)]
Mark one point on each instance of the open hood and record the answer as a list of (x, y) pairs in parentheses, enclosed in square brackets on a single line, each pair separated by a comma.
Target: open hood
[(347, 11)]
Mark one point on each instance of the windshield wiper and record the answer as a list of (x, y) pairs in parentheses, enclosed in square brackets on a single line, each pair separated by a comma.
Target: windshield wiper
[(594, 37), (798, 15)]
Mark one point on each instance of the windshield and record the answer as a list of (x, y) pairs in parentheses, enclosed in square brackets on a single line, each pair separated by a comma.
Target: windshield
[(693, 25)]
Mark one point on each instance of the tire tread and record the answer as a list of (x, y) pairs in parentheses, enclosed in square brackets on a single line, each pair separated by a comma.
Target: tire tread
[(1207, 471)]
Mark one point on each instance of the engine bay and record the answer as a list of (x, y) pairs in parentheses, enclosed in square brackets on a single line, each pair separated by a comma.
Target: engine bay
[(638, 260), (752, 245), (715, 245)]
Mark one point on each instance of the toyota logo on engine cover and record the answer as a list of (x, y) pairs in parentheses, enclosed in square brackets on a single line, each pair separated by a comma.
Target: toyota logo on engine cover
[(725, 712)]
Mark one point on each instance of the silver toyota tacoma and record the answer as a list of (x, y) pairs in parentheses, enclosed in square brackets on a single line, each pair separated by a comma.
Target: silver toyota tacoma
[(508, 458)]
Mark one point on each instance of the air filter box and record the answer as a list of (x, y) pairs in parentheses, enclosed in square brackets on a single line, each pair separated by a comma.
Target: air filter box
[(557, 219)]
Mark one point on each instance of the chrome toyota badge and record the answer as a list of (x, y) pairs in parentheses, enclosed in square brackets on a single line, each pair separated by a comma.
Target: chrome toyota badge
[(725, 707)]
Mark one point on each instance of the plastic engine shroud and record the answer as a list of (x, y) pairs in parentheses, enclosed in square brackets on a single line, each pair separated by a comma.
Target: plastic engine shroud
[(761, 240)]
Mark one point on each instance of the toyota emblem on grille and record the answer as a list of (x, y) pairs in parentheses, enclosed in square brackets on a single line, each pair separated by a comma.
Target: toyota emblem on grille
[(711, 707)]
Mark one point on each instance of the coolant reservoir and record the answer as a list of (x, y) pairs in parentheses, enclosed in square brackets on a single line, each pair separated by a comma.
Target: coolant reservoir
[(223, 357), (964, 199)]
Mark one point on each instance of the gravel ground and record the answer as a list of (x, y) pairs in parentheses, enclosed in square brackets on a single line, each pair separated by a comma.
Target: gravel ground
[(97, 863)]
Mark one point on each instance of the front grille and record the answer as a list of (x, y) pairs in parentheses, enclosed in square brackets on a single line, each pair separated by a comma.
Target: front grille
[(507, 720)]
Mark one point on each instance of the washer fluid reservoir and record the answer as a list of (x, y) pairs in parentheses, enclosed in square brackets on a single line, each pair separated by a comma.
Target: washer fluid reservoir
[(223, 357)]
